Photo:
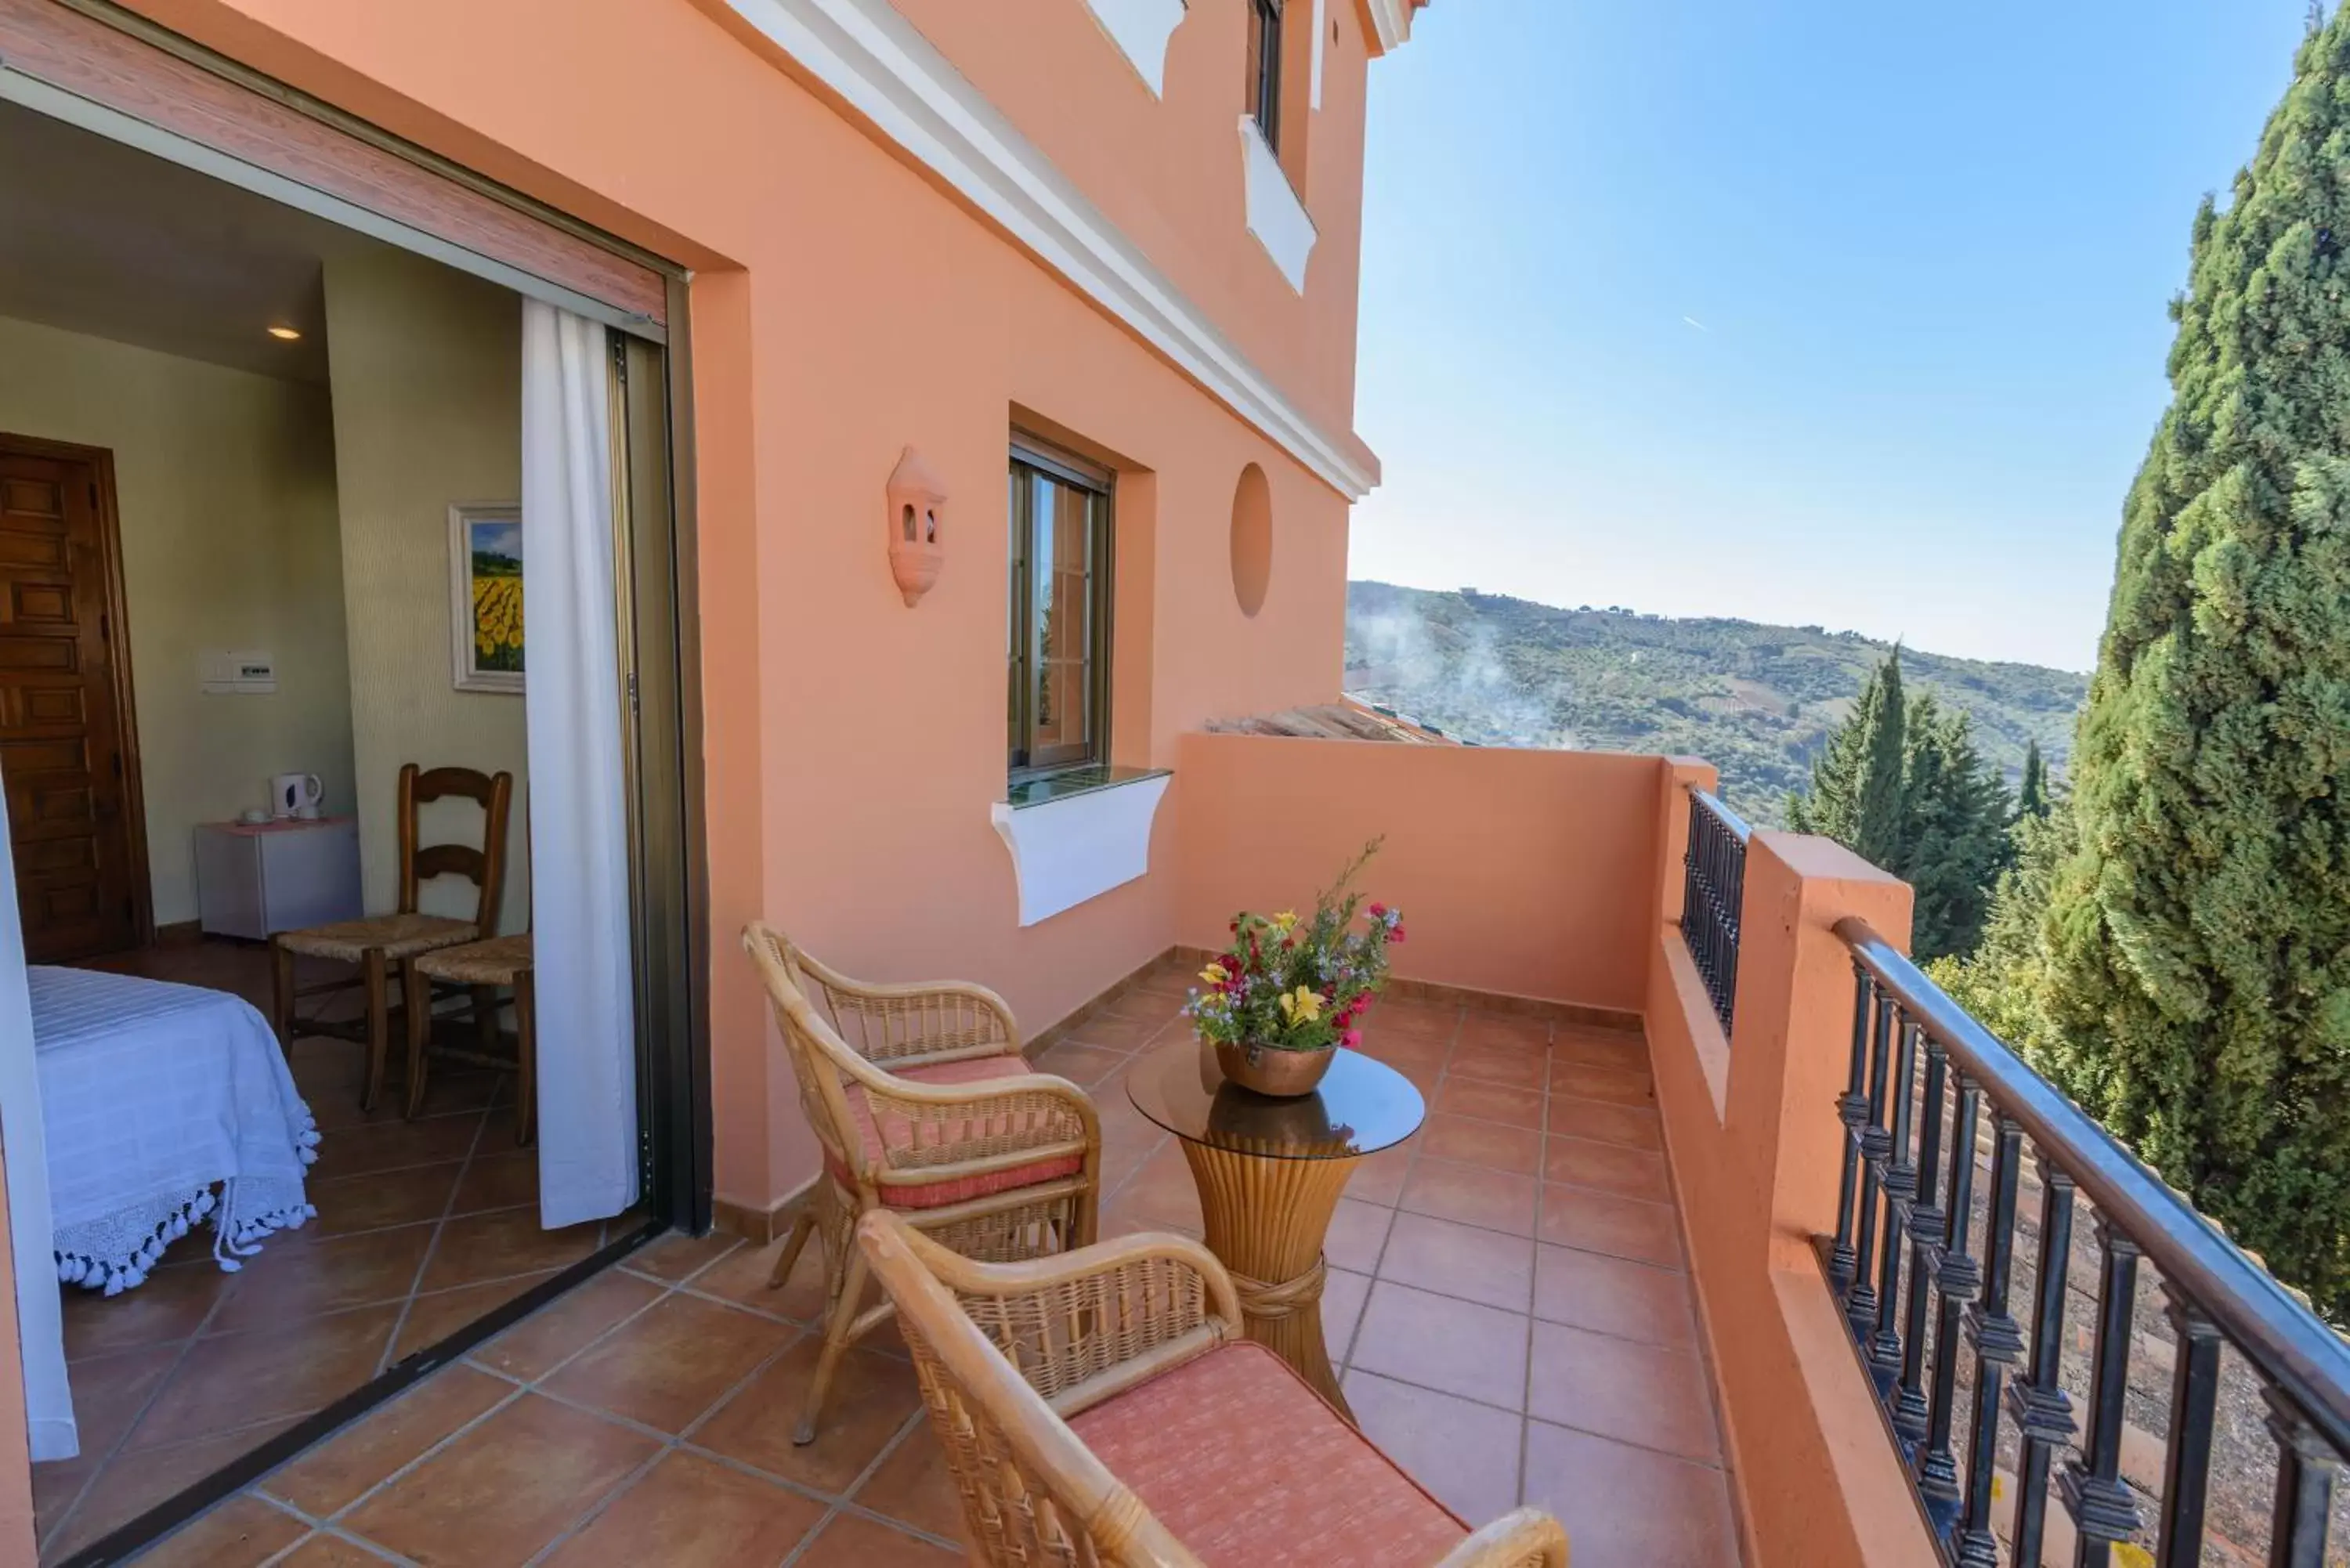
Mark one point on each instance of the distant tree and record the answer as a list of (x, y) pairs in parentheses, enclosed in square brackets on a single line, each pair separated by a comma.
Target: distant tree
[(2032, 798), (1901, 783)]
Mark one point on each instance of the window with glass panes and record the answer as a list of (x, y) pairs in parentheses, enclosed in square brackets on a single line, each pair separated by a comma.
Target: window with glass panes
[(1264, 68), (1059, 645)]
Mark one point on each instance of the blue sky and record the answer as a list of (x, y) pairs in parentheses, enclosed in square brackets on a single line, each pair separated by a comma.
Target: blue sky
[(1810, 311)]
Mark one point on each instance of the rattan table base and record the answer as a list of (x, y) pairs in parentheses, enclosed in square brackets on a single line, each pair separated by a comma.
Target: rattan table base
[(1266, 1218)]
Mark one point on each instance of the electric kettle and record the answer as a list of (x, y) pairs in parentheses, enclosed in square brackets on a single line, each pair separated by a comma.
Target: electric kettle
[(294, 794)]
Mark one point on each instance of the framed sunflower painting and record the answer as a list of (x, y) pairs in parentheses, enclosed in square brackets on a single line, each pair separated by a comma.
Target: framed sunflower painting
[(486, 595)]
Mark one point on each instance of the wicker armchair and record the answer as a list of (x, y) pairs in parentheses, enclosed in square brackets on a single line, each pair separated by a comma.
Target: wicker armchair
[(1101, 1408), (926, 1109)]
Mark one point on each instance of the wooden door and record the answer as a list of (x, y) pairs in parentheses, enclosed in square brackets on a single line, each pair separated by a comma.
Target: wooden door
[(66, 757)]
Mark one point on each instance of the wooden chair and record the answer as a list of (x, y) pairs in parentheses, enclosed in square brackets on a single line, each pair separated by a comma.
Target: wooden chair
[(1101, 1408), (379, 944), (479, 969), (932, 1112)]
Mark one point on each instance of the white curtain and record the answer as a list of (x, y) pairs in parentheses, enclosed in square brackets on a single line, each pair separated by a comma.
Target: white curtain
[(25, 1157), (579, 825)]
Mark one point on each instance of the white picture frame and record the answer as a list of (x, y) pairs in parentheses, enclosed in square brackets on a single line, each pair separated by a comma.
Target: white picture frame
[(482, 531)]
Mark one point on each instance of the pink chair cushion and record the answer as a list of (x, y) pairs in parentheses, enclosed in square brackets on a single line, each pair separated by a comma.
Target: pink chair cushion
[(1247, 1464), (894, 1131)]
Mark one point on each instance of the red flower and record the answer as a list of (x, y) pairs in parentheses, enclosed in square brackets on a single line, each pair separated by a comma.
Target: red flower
[(1378, 911), (1352, 1039), (1396, 935)]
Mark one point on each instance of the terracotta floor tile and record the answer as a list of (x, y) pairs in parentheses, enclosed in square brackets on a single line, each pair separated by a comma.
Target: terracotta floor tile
[(677, 1256), (1471, 1142), (501, 1492), (1460, 1261), (108, 1394), (334, 1475), (1624, 1052), (1488, 1101), (324, 1551), (870, 1398), (1082, 1064), (852, 1543), (1504, 1029), (1356, 1233), (349, 1204), (504, 1180), (693, 1512), (1119, 1033), (390, 1146), (268, 1373), (171, 1305), (125, 1490), (242, 1532), (1608, 1166), (1398, 1015), (1466, 1453), (1379, 1178), (913, 1486), (1512, 1066), (1474, 1194), (1435, 1341), (297, 1277), (536, 1345), (1640, 1394), (1401, 1047), (434, 1317), (1603, 1083), (1629, 1508), (477, 1248), (740, 1277), (1609, 1124), (1614, 1296), (1343, 1295), (1621, 1227), (667, 1367), (1136, 1003), (1163, 1189)]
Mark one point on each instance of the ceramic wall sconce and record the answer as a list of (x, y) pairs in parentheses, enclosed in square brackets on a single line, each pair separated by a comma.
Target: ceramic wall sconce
[(918, 506)]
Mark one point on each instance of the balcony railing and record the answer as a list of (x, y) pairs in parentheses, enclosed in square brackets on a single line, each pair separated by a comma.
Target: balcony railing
[(1948, 1355), (1713, 888)]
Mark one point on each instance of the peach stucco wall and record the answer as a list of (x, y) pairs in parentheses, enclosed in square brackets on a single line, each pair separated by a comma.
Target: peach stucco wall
[(843, 309), (1522, 873)]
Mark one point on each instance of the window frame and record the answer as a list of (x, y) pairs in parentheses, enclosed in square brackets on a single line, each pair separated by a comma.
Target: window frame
[(1264, 69), (1025, 760)]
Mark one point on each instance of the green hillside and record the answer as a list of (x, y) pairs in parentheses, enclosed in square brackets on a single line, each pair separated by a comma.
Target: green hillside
[(1755, 701)]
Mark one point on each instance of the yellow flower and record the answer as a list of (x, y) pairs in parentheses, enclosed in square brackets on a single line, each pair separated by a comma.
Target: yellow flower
[(1214, 975), (1285, 920), (1303, 1005)]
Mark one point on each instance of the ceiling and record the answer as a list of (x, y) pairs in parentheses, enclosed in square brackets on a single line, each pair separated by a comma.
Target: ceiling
[(100, 238)]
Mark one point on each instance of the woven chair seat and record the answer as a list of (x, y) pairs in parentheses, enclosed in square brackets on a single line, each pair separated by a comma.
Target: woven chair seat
[(395, 936), (496, 962), (1244, 1462), (892, 1132)]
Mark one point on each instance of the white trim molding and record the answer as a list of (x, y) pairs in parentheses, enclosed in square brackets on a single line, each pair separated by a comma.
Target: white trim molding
[(1391, 22), (877, 63), (1275, 216), (1321, 36), (1067, 851), (1140, 30)]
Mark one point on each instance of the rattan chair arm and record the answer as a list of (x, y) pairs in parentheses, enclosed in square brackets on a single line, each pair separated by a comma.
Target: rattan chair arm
[(969, 1277), (978, 995), (1528, 1538)]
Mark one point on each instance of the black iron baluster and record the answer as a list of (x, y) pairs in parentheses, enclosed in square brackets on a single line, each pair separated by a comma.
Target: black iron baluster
[(1956, 1278), (1998, 1344), (1860, 1302), (2103, 1508), (2194, 1412), (1898, 1178), (2043, 1414), (1852, 1110), (1926, 1235), (2306, 1469)]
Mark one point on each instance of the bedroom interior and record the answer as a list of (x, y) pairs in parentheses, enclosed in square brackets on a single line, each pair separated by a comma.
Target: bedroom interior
[(262, 703)]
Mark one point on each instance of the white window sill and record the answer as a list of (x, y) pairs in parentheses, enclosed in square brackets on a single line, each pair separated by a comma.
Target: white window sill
[(1079, 845), (1140, 30), (1275, 216)]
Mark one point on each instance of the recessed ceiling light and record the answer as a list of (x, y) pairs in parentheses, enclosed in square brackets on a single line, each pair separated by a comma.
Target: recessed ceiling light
[(286, 333)]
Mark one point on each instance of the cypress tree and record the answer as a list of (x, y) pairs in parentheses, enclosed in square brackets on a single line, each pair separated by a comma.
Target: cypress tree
[(2198, 936), (1953, 831), (1880, 790), (2032, 797)]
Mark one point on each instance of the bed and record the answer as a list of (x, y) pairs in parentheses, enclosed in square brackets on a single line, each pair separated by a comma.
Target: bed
[(165, 1105)]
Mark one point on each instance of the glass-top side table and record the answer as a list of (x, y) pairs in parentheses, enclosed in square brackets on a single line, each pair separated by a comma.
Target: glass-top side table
[(1270, 1172)]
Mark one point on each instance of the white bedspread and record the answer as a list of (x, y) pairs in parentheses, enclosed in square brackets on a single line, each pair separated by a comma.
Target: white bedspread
[(163, 1104)]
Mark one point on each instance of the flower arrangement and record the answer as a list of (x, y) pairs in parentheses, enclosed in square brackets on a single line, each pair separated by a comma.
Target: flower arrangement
[(1288, 984)]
